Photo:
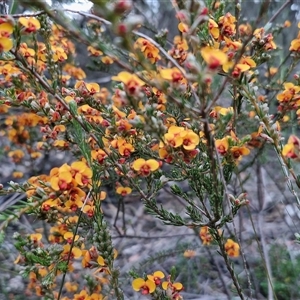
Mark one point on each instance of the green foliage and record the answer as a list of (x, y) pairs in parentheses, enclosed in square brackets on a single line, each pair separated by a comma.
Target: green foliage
[(285, 273)]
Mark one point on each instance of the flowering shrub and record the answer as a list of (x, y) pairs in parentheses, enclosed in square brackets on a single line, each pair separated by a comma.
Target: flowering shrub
[(164, 121)]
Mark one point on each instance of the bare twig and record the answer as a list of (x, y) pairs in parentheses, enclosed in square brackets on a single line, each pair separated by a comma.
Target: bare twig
[(261, 201)]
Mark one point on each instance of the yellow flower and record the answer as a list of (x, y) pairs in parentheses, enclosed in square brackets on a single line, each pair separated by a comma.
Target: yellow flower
[(190, 139), (81, 172), (146, 287), (289, 151), (126, 149), (61, 180), (293, 89), (183, 27), (173, 75), (89, 210), (6, 29), (222, 145), (59, 54), (31, 24), (214, 58), (173, 286), (232, 248), (173, 137), (213, 28), (189, 253), (68, 236), (132, 82), (6, 44), (35, 237), (156, 277), (145, 167), (219, 110), (121, 190), (75, 252)]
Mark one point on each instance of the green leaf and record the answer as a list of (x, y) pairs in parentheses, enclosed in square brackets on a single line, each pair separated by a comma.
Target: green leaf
[(73, 108)]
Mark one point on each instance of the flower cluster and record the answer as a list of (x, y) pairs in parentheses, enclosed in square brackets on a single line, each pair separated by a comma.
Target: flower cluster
[(154, 284)]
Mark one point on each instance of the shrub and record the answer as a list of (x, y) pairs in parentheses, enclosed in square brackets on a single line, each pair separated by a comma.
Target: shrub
[(192, 114)]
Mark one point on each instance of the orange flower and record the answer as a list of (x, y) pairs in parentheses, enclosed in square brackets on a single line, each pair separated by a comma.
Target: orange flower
[(232, 248), (285, 96), (145, 167), (227, 24), (83, 295), (107, 60), (99, 155), (149, 50), (189, 253), (205, 236), (238, 151), (180, 43), (295, 45), (245, 29), (146, 287), (94, 52), (16, 155), (17, 174)]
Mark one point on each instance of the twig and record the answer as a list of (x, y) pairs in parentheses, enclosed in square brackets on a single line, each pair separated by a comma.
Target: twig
[(274, 16), (128, 236), (261, 201)]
